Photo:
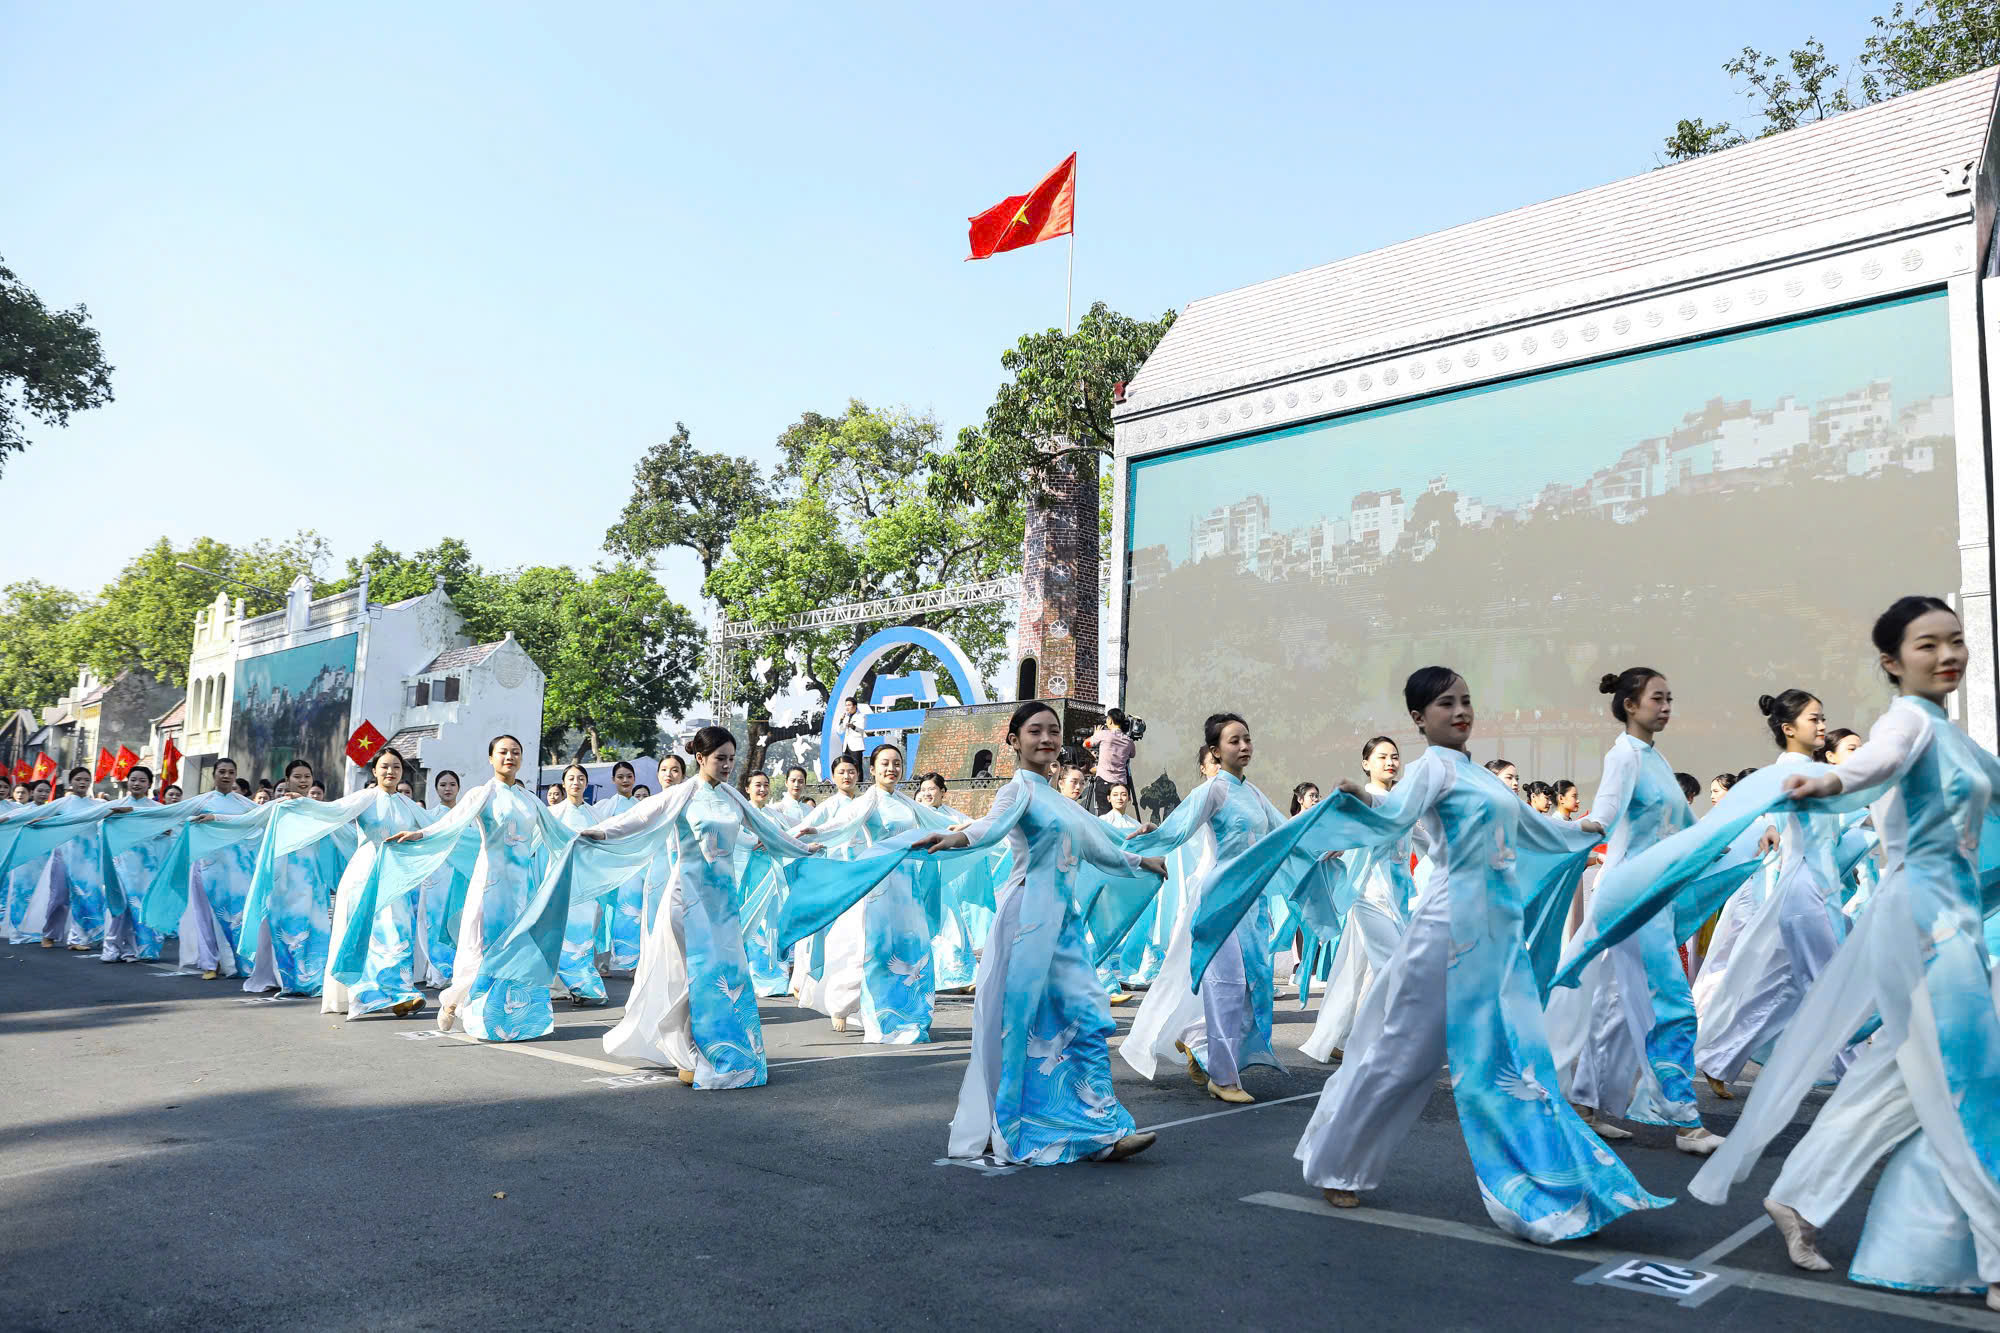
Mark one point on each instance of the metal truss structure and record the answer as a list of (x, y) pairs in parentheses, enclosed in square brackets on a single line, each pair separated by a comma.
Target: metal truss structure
[(731, 633)]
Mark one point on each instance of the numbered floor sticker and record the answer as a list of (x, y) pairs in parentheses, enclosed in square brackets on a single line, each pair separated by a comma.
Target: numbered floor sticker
[(1655, 1277)]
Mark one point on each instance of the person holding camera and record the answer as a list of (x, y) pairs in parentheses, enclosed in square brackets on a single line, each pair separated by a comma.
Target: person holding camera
[(1111, 745)]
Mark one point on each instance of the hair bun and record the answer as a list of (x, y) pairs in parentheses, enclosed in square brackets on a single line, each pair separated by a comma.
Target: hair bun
[(1607, 683), (1765, 703), (688, 745)]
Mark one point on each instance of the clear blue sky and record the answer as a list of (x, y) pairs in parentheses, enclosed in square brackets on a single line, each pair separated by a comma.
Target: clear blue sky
[(409, 271)]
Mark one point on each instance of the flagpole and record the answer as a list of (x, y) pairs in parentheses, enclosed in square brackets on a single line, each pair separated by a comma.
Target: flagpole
[(1069, 283)]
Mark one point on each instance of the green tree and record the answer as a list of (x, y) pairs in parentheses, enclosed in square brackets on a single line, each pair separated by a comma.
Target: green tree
[(39, 649), (1934, 41), (857, 519), (617, 651), (51, 363), (394, 577), (1053, 413), (1912, 47), (683, 497), (145, 617)]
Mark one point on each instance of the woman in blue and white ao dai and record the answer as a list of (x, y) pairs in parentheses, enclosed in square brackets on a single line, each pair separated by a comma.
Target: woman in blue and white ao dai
[(1925, 1091), (1137, 960), (373, 962), (1037, 1088), (581, 937), (217, 882), (1460, 989), (132, 865), (59, 888), (626, 907), (693, 1005), (759, 898), (1791, 925), (1375, 895), (1226, 1025), (18, 874), (1632, 1032), (288, 914), (898, 992), (518, 837), (827, 969)]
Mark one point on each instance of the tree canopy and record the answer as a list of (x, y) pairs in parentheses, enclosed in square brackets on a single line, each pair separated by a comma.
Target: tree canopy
[(855, 519), (686, 498), (51, 363), (1912, 47), (1053, 413)]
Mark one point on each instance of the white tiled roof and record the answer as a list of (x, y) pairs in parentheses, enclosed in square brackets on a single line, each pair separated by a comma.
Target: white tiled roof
[(470, 655), (1885, 154)]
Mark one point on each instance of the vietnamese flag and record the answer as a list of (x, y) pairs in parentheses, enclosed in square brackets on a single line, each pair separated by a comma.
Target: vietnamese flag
[(365, 744), (170, 764), (126, 759), (1042, 214), (104, 764), (45, 768), (22, 771)]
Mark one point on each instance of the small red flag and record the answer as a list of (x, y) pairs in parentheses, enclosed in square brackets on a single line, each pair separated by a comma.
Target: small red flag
[(1042, 214), (104, 764), (123, 766), (23, 772), (45, 767), (170, 764), (365, 744)]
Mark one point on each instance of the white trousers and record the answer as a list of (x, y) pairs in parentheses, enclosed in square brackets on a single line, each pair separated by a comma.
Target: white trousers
[(1392, 1064), (1365, 946)]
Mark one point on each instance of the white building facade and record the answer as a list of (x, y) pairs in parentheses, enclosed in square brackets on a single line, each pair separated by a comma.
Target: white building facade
[(297, 683)]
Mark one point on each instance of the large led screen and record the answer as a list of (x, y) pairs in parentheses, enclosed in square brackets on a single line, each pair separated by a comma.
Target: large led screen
[(1733, 513)]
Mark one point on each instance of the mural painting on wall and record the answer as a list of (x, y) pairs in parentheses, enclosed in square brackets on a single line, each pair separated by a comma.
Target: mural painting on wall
[(291, 705)]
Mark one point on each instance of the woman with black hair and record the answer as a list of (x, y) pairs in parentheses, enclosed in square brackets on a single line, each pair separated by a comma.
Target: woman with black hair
[(1772, 945), (1459, 988), (1569, 805), (1633, 1042), (583, 935), (624, 910), (1037, 1087), (1111, 746), (964, 903), (517, 839), (1226, 1025), (760, 895), (898, 979), (1925, 1092), (1375, 899), (791, 807), (827, 971), (372, 948), (693, 1007), (60, 889)]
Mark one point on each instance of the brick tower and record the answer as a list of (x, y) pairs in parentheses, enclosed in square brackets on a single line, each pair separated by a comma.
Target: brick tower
[(1059, 594)]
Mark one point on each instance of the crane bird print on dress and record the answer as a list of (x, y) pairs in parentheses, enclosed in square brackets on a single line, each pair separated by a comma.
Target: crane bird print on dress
[(1050, 1050)]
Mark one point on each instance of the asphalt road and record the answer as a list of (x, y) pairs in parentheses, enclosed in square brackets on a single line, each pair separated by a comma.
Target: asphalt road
[(174, 1153)]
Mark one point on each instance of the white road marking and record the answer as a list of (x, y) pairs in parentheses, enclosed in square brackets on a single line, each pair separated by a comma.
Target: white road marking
[(541, 1053), (1832, 1291), (1216, 1115), (1731, 1243)]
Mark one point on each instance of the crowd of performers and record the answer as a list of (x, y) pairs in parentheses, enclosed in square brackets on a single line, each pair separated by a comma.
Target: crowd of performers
[(1838, 906)]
